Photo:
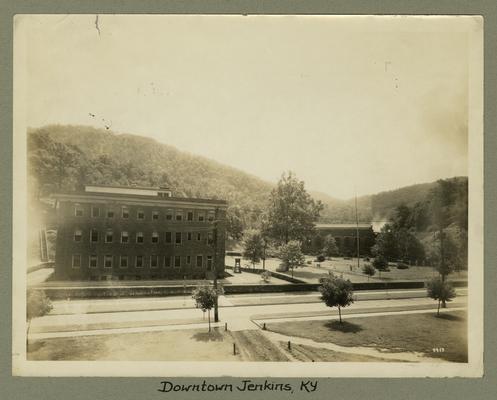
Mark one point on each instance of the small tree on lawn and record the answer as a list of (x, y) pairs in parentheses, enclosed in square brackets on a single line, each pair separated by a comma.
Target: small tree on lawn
[(253, 246), (380, 263), (330, 247), (336, 292), (291, 255), (369, 270), (266, 276), (440, 290), (37, 305), (205, 298)]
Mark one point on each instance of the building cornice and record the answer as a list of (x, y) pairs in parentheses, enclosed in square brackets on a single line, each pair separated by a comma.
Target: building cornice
[(105, 198)]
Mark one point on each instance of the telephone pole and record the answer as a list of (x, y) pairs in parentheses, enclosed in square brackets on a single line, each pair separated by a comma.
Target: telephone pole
[(357, 231), (214, 237)]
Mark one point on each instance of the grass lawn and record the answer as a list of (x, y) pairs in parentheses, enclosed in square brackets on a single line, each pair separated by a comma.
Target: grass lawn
[(172, 345), (411, 332), (348, 268)]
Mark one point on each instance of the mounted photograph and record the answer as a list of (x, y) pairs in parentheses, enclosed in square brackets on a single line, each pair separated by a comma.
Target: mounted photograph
[(263, 196)]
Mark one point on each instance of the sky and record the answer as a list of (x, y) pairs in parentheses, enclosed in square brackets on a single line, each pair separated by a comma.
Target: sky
[(350, 104)]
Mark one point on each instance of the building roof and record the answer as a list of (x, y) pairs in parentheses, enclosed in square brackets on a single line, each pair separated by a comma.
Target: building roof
[(130, 187), (343, 226), (81, 196)]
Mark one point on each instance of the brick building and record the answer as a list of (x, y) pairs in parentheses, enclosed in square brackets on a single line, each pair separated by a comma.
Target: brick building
[(137, 233), (346, 237)]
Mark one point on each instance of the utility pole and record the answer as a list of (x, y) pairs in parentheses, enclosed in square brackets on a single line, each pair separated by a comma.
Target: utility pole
[(357, 231), (214, 237)]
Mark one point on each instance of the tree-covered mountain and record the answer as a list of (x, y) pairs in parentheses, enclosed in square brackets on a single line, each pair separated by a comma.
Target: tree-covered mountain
[(65, 157)]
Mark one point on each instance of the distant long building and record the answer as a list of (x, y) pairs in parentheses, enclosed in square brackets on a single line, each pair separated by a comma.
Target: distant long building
[(137, 233), (345, 236)]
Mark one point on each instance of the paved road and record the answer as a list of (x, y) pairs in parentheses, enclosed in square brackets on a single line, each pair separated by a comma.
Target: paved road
[(186, 302), (237, 317)]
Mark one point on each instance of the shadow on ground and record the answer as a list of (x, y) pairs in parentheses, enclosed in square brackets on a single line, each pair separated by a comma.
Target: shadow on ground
[(213, 336), (344, 326), (449, 317)]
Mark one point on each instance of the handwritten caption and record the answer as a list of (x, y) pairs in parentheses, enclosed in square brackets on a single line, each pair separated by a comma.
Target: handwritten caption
[(247, 385)]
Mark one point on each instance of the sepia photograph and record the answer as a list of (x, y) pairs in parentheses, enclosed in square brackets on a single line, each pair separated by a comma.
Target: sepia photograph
[(273, 196)]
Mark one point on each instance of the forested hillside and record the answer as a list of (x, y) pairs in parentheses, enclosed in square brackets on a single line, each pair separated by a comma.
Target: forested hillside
[(66, 157)]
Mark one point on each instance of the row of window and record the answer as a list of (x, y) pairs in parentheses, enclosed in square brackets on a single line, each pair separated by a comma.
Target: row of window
[(170, 214), (140, 261), (140, 238)]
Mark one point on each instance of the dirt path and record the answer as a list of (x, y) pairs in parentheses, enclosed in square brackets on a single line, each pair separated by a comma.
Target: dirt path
[(253, 346), (361, 351)]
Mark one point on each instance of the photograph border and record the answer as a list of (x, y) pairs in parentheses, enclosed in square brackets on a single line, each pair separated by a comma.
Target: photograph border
[(489, 183)]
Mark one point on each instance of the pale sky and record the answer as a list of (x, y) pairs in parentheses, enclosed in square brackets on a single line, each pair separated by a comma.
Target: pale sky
[(349, 104)]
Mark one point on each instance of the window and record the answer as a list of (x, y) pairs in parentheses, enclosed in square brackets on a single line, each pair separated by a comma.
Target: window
[(189, 216), (109, 236), (125, 212), (167, 261), (76, 260), (199, 237), (155, 237), (77, 235), (169, 237), (177, 238), (210, 216), (110, 213), (94, 235), (154, 261), (140, 214), (189, 236), (209, 263), (123, 262), (124, 237), (210, 238), (93, 261), (179, 215), (169, 215), (95, 211), (155, 215), (108, 261), (201, 216), (139, 261), (188, 260), (177, 261), (200, 261), (139, 237), (78, 210)]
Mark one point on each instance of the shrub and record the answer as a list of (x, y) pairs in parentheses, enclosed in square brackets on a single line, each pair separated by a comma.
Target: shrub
[(266, 276), (320, 258), (37, 305)]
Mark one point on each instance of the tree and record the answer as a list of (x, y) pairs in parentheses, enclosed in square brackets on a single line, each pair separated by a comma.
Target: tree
[(369, 270), (330, 247), (291, 255), (440, 290), (37, 305), (386, 243), (317, 244), (253, 246), (205, 298), (380, 263), (336, 292), (292, 211), (234, 223)]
